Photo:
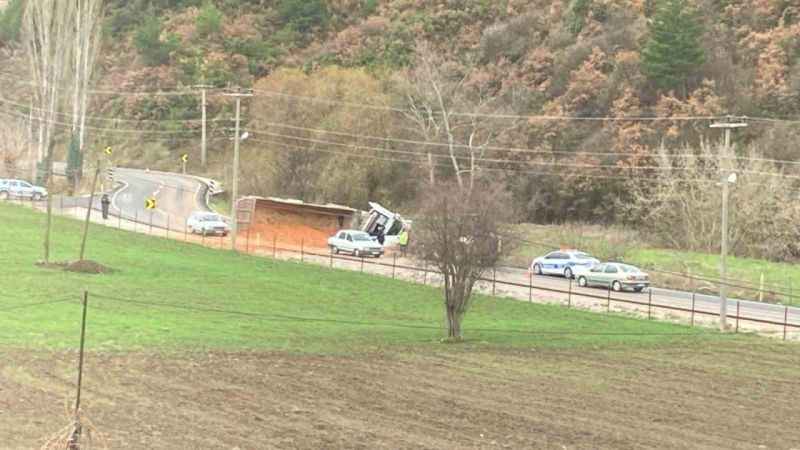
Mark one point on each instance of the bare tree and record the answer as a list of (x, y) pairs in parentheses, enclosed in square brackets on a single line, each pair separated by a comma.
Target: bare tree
[(13, 145), (87, 17), (463, 233), (446, 106), (48, 31)]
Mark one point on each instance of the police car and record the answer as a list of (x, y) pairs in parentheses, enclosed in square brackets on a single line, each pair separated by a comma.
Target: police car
[(562, 262)]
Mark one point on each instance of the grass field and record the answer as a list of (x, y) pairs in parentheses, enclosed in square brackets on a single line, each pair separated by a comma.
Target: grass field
[(319, 358), (781, 280), (159, 279)]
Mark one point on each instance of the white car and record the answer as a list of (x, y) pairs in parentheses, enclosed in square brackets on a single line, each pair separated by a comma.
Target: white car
[(355, 242), (207, 223), (614, 276), (562, 262), (21, 189)]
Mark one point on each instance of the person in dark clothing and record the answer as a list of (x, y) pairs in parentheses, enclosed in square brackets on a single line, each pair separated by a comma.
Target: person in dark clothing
[(380, 235), (105, 203)]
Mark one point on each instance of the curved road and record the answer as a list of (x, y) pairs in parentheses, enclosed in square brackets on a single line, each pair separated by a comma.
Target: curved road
[(177, 196)]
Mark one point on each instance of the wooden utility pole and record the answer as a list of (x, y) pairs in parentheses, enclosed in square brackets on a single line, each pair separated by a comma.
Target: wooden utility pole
[(728, 177), (235, 184)]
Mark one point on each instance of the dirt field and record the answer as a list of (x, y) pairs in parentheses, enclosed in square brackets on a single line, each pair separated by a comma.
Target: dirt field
[(451, 397)]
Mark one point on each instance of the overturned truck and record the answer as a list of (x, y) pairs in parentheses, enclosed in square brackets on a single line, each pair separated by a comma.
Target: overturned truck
[(391, 222)]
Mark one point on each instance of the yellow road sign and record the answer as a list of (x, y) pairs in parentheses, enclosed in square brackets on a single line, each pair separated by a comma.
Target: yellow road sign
[(185, 157), (108, 151), (150, 203)]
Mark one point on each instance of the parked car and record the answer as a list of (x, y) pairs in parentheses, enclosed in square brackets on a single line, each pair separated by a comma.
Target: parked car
[(21, 189), (616, 276), (562, 262), (207, 223), (357, 243)]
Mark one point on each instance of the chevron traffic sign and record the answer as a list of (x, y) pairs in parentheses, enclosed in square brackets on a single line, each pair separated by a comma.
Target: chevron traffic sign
[(185, 157), (150, 203), (108, 151)]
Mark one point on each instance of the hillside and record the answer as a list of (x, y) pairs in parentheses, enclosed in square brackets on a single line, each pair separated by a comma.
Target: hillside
[(337, 83)]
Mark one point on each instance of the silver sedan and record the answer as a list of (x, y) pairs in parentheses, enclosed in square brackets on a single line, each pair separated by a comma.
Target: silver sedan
[(615, 276)]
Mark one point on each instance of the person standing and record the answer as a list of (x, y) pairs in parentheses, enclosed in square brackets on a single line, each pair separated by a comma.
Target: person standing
[(402, 239), (105, 203)]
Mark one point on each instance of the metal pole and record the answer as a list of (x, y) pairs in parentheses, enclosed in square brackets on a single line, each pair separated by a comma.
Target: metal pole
[(425, 273), (167, 226), (151, 222), (650, 304), (247, 241), (530, 287), (235, 185), (569, 294), (693, 294), (331, 259), (89, 212), (761, 289), (362, 264), (302, 250), (608, 304), (737, 315), (135, 220), (394, 265), (274, 245), (494, 280), (119, 219), (785, 321)]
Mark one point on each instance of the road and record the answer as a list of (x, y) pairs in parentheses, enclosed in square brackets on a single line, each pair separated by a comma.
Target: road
[(178, 195)]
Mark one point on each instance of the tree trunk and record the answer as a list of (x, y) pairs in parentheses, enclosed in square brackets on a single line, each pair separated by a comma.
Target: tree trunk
[(453, 323)]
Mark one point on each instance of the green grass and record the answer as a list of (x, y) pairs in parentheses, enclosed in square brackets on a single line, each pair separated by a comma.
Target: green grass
[(171, 273), (781, 280)]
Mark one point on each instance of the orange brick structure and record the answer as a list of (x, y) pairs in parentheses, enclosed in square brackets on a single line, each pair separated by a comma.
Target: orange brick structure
[(291, 222)]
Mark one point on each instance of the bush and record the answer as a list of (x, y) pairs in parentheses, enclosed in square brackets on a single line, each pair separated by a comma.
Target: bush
[(209, 21), (148, 41), (303, 15), (11, 21)]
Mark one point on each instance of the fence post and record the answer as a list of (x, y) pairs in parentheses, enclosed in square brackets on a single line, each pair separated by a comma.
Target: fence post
[(649, 304), (119, 219), (530, 286), (494, 281), (693, 294), (608, 303), (362, 263), (61, 201), (185, 233), (331, 252), (425, 273), (247, 241), (761, 288), (203, 238), (737, 316), (151, 222), (569, 294), (394, 265), (222, 242), (785, 321), (302, 249), (135, 220), (76, 433), (274, 245), (167, 226)]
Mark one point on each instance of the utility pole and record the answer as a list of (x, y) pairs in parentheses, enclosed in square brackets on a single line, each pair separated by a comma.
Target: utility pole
[(203, 148), (235, 185), (728, 177)]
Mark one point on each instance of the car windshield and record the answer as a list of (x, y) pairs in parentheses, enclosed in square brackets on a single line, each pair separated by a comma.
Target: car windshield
[(361, 237), (583, 256), (211, 218), (629, 269)]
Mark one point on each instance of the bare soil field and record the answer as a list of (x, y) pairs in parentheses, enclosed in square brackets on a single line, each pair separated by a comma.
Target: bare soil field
[(739, 395)]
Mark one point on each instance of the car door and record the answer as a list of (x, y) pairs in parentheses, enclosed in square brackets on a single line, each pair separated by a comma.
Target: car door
[(25, 189), (595, 275), (552, 263), (610, 274), (13, 188)]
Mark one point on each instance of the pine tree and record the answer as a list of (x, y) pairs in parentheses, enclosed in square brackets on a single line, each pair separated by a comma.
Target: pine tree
[(673, 51)]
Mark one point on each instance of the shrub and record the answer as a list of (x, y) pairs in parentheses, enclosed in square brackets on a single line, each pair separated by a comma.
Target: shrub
[(209, 20), (11, 20), (303, 15), (148, 41)]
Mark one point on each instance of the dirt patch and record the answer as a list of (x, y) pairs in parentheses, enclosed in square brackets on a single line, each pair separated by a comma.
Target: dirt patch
[(87, 266), (455, 398), (61, 265)]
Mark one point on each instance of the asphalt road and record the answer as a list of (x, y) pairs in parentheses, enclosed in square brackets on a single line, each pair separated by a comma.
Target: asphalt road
[(177, 196)]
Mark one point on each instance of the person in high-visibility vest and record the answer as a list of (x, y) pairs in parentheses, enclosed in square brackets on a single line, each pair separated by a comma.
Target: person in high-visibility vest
[(402, 239)]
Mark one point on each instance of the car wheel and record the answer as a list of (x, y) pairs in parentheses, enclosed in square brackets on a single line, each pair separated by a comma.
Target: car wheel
[(582, 282), (616, 286), (36, 196), (568, 273), (537, 269), (356, 253), (335, 249), (638, 289)]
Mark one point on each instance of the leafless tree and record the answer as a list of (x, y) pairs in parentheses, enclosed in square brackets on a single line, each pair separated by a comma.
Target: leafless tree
[(463, 233), (446, 106), (13, 144), (87, 19), (48, 32)]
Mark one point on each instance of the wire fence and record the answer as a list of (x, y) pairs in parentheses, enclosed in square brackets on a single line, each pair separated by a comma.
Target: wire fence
[(686, 307)]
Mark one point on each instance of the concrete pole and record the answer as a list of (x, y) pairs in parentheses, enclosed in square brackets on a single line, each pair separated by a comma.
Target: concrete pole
[(235, 184), (725, 166), (203, 148)]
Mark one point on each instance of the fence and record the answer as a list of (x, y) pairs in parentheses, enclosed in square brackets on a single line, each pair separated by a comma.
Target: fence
[(692, 308)]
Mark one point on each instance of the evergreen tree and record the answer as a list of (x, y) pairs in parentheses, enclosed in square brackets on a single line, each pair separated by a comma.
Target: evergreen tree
[(673, 52)]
